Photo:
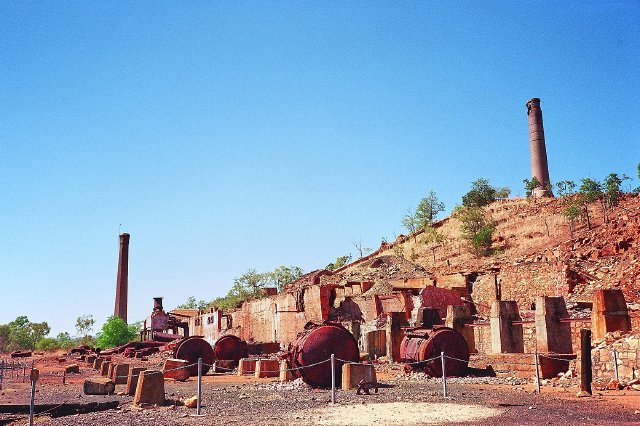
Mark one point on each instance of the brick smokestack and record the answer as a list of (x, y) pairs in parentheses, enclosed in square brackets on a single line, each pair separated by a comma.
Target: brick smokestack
[(122, 284), (539, 166)]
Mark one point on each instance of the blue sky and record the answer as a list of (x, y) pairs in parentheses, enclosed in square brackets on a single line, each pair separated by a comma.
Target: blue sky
[(232, 135)]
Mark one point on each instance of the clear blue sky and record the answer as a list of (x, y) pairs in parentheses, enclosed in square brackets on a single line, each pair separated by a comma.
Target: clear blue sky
[(232, 135)]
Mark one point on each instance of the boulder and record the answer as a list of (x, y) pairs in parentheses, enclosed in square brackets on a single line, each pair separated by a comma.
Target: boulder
[(98, 386), (191, 402), (150, 388)]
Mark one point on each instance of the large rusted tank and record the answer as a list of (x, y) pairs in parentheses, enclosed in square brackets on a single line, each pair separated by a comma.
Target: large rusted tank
[(315, 345), (192, 348), (421, 345), (230, 347)]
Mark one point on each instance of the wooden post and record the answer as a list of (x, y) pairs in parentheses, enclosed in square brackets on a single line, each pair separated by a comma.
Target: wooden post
[(586, 374), (1, 373), (199, 402), (615, 365)]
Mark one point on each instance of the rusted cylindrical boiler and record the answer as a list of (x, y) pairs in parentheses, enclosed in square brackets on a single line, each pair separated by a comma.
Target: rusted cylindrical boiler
[(315, 345), (230, 347), (421, 345), (192, 348)]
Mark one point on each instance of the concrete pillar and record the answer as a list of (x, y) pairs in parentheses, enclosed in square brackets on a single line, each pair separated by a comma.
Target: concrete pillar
[(506, 337), (538, 150), (457, 318), (395, 322), (122, 283), (552, 335), (609, 313)]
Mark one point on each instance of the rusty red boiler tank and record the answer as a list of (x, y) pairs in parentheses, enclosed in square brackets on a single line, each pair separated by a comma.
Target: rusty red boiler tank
[(230, 347), (192, 348), (424, 344), (315, 345)]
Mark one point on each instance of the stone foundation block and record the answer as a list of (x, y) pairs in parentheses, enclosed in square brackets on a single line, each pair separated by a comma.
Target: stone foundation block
[(98, 386), (150, 388), (247, 366), (267, 368), (119, 373), (352, 374), (104, 368), (285, 374), (132, 380), (72, 369), (176, 369)]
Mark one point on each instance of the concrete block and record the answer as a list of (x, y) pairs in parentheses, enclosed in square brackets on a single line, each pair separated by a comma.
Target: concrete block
[(377, 343), (552, 335), (150, 388), (285, 374), (457, 318), (267, 368), (176, 369), (352, 374), (225, 365), (72, 369), (104, 368), (120, 373), (98, 386), (247, 366), (506, 337), (97, 363), (609, 313), (132, 380)]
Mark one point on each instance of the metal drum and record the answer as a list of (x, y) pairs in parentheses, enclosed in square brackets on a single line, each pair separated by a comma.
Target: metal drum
[(192, 348), (230, 347), (315, 345), (421, 345)]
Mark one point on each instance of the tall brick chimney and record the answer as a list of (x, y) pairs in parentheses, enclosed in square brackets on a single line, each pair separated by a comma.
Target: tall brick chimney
[(539, 166), (122, 284)]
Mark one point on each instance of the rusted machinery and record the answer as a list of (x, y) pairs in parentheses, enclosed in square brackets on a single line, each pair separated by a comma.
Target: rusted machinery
[(310, 352), (230, 348), (161, 322), (192, 348), (421, 349)]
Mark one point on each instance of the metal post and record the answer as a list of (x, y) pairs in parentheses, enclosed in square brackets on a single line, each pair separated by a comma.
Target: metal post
[(1, 373), (24, 372), (199, 402), (615, 364), (64, 376), (34, 378), (585, 361), (535, 354), (444, 376), (333, 379)]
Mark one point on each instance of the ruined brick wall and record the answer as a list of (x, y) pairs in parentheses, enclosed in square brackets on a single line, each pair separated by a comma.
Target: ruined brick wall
[(628, 359)]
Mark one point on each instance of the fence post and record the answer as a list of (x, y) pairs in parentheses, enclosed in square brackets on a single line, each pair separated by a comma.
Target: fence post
[(615, 364), (333, 379), (24, 371), (585, 361), (199, 402), (1, 373), (535, 359), (444, 375)]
